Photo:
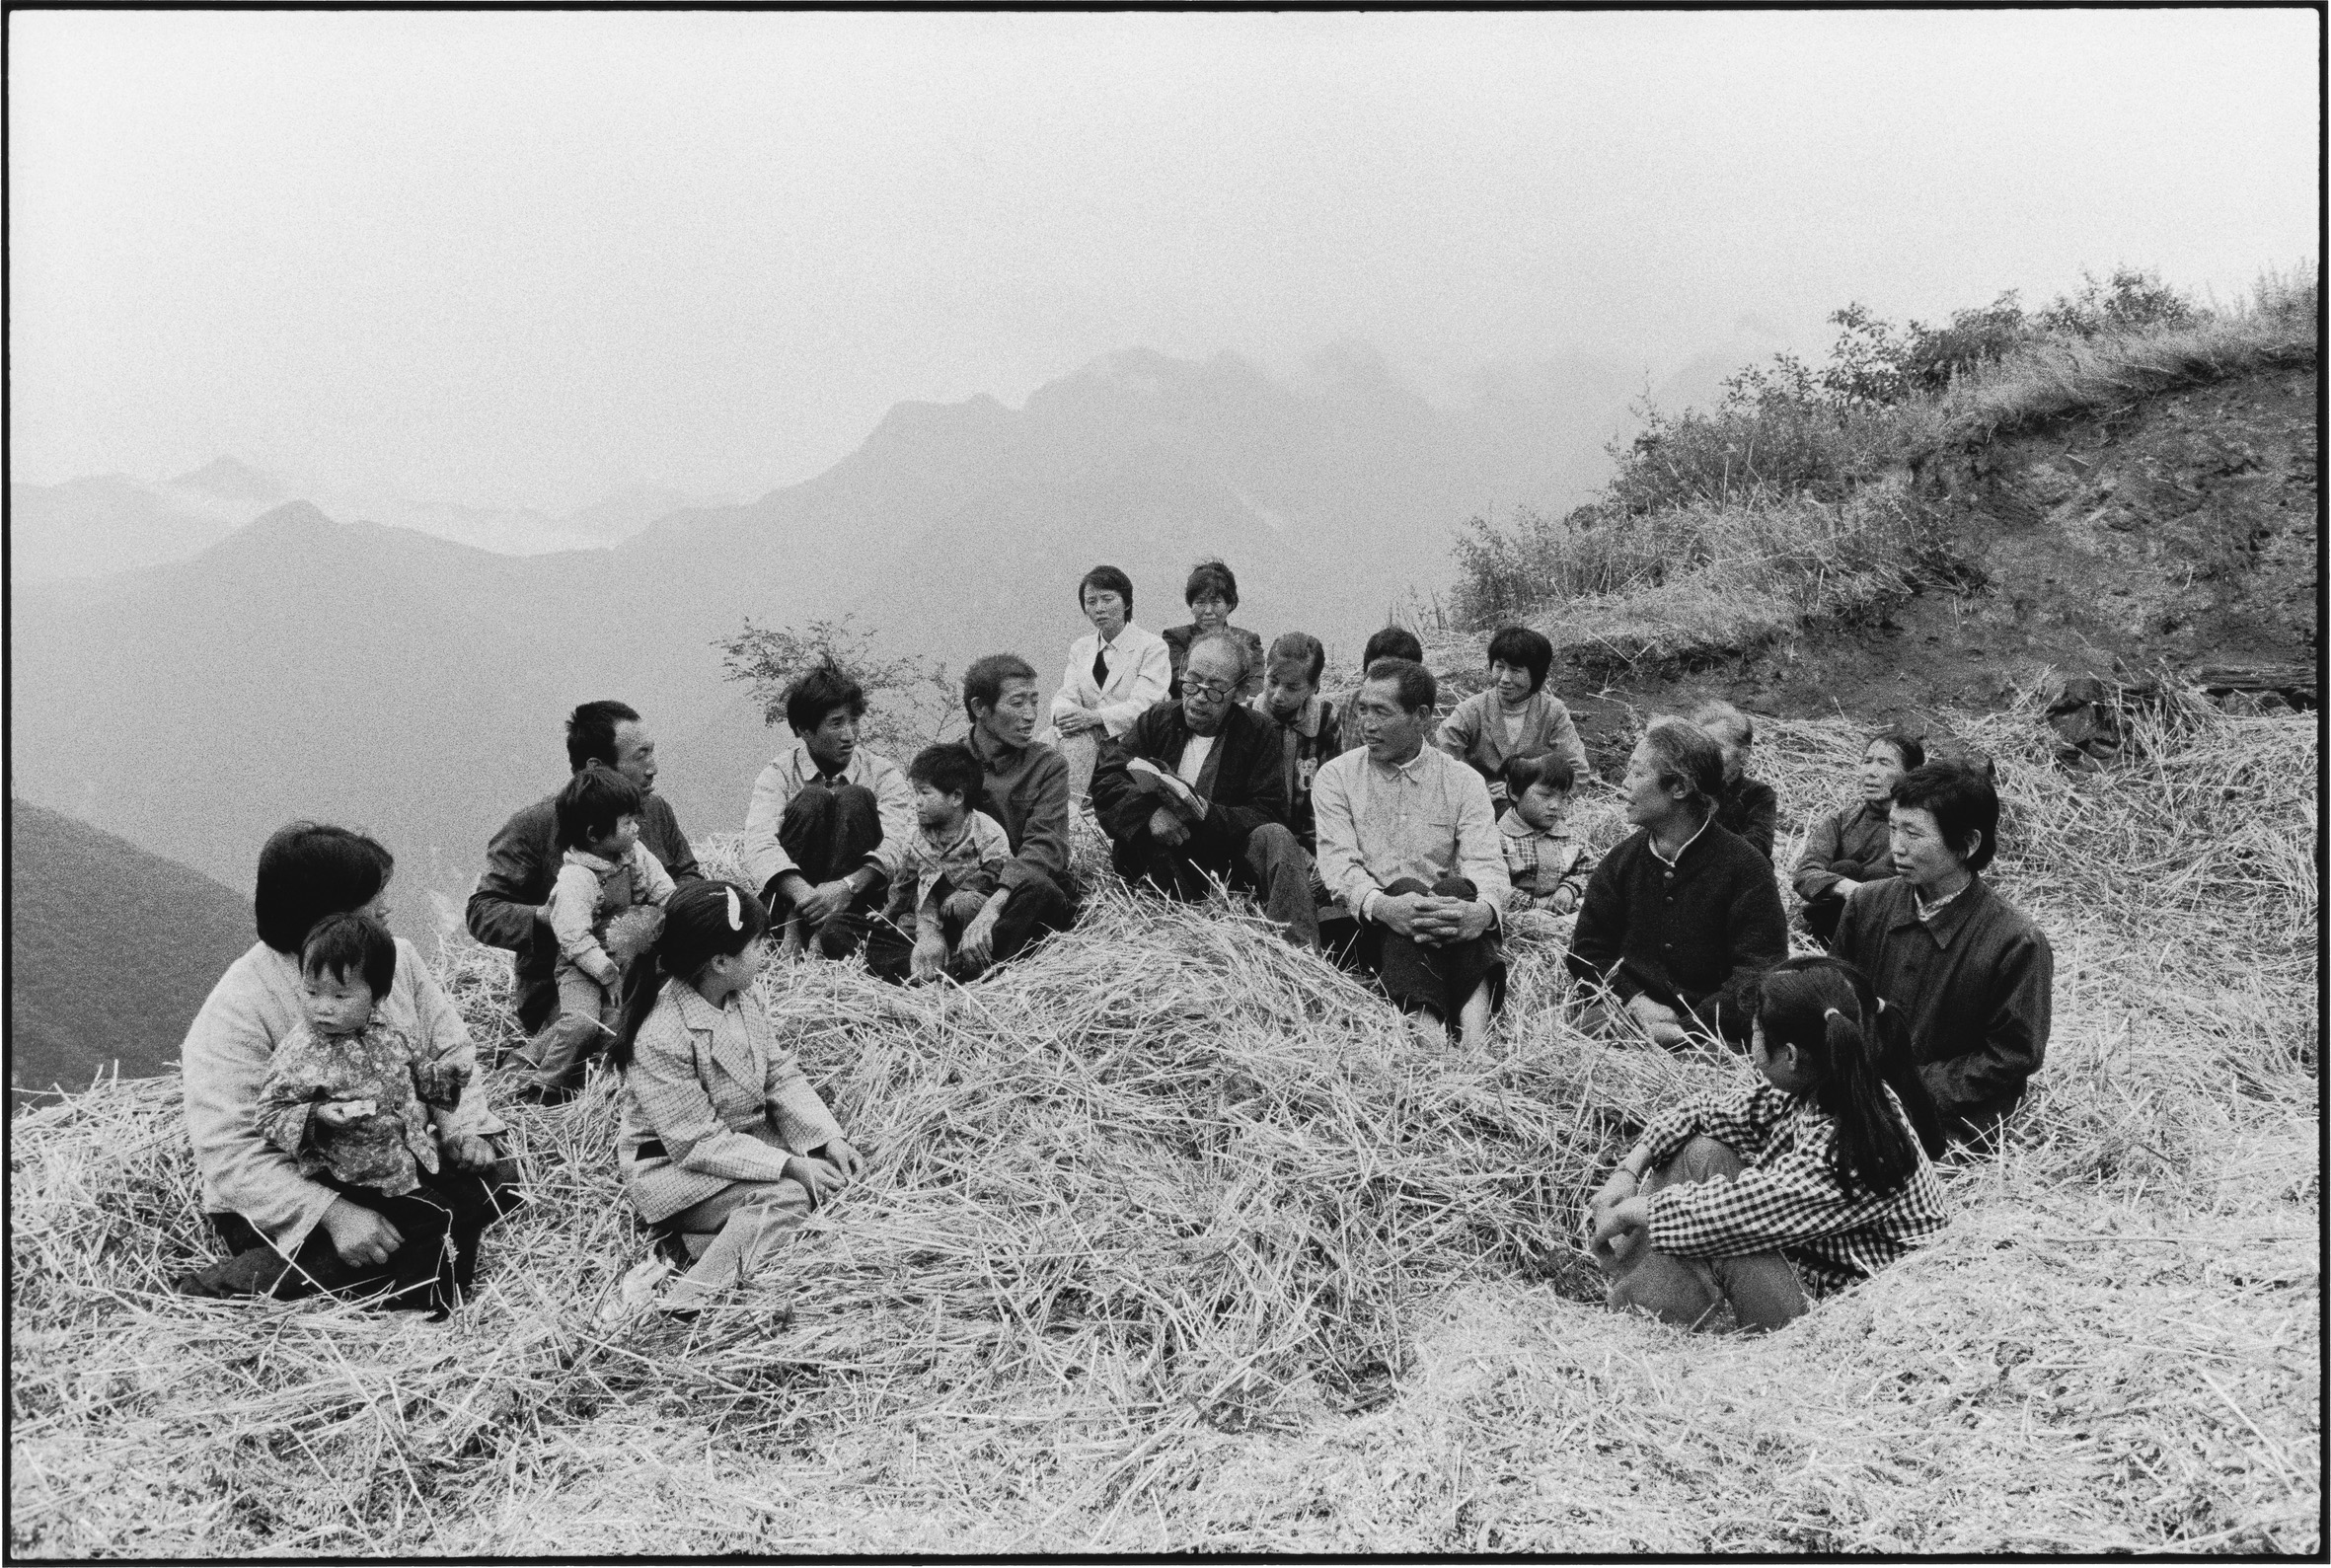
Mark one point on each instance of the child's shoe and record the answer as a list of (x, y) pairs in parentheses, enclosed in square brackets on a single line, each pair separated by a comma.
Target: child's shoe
[(639, 1287)]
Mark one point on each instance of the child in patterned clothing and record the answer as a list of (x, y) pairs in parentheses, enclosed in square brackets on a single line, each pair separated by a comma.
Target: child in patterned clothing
[(1774, 1194), (1547, 864), (952, 867), (606, 875), (351, 1101)]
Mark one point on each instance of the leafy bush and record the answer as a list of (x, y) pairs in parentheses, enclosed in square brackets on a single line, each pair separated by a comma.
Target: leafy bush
[(910, 702), (1789, 437)]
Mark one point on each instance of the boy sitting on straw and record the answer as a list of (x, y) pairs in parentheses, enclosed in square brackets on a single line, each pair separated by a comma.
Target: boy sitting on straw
[(951, 871)]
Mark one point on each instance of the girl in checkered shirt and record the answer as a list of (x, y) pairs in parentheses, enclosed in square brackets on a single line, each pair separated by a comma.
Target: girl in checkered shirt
[(1781, 1191)]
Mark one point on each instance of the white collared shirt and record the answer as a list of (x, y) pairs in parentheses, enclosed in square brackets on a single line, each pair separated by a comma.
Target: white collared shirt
[(1427, 818), (1140, 667)]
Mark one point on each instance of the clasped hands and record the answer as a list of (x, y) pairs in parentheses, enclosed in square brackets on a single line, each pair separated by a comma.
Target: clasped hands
[(1432, 920), (1617, 1222)]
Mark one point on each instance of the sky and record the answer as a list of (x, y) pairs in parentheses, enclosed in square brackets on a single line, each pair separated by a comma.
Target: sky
[(521, 259)]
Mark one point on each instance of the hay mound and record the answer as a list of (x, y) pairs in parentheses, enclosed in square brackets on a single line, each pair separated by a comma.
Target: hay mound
[(1173, 1238)]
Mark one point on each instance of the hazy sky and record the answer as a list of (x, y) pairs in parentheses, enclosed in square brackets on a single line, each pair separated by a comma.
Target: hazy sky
[(515, 259)]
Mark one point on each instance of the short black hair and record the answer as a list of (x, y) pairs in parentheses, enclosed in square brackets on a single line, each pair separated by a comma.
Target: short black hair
[(1524, 649), (1547, 768), (1412, 680), (1110, 579), (1392, 642), (810, 699), (983, 681), (1289, 646), (1908, 746), (348, 941), (1689, 756), (588, 809), (952, 770), (309, 869), (1962, 800), (1213, 575), (590, 733)]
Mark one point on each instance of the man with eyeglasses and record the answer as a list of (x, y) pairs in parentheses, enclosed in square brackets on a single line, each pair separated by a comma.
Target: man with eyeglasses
[(1196, 791)]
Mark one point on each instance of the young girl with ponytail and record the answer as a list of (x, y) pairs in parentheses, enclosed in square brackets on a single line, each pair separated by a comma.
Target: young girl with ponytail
[(723, 1146), (1781, 1191)]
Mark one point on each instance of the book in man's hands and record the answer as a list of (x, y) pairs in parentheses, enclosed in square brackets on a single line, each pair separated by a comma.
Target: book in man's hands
[(1151, 778)]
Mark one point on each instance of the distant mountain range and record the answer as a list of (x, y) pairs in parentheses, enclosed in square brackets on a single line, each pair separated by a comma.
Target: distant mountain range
[(383, 677), (112, 523), (110, 951)]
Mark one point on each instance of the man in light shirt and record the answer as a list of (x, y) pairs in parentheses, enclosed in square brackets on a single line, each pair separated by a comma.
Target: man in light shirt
[(1407, 842), (1196, 791), (1113, 677), (828, 822)]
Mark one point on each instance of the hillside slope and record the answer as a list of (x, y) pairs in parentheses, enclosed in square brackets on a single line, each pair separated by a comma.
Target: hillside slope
[(2146, 505), (110, 951)]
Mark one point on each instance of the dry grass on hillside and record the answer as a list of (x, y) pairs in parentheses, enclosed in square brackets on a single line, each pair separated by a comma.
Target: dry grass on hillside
[(2279, 326), (1619, 588), (1174, 1240)]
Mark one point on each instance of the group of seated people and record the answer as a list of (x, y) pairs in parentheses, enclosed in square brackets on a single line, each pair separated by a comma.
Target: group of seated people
[(1400, 843)]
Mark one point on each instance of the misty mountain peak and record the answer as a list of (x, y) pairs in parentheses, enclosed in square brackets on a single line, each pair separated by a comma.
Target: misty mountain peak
[(293, 522), (235, 480)]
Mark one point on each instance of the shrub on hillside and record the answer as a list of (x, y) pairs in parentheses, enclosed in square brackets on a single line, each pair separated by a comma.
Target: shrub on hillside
[(910, 702), (1789, 438)]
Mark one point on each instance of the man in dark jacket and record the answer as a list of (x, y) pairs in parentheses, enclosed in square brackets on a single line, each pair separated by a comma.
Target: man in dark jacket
[(1025, 786), (507, 909), (1972, 975), (1683, 915), (1196, 788)]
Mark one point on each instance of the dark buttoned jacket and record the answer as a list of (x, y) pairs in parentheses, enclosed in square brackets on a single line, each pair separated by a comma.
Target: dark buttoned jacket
[(1974, 987), (1692, 936)]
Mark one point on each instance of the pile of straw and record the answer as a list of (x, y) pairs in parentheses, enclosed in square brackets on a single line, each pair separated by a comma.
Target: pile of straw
[(1173, 1238)]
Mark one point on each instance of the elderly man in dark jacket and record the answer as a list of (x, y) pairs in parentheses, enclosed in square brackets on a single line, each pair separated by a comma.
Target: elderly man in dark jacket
[(1683, 915), (1972, 975), (506, 908), (1196, 788)]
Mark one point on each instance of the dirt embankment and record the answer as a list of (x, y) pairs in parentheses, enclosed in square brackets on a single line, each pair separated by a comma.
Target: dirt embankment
[(2179, 531)]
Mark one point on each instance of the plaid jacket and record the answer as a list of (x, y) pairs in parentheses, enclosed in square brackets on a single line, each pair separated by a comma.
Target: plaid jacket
[(711, 1099), (1542, 864), (1787, 1199)]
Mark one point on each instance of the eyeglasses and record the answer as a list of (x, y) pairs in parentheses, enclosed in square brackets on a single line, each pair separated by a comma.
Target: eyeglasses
[(1206, 689)]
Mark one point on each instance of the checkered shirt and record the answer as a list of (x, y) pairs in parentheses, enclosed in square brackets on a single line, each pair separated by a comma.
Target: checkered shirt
[(1786, 1199)]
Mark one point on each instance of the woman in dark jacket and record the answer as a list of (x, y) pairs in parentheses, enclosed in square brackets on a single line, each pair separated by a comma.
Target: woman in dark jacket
[(1848, 848)]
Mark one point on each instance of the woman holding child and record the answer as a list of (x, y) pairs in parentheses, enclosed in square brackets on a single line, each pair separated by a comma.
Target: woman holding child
[(331, 1097)]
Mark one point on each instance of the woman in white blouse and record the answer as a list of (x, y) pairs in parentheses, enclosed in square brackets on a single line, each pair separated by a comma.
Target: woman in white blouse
[(1114, 675)]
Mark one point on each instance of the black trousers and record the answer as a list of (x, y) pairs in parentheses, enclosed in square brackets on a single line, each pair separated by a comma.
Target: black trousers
[(1036, 908), (441, 1221), (1434, 980), (829, 831)]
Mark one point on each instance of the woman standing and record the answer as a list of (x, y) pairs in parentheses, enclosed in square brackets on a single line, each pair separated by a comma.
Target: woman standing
[(291, 1235), (724, 1148)]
